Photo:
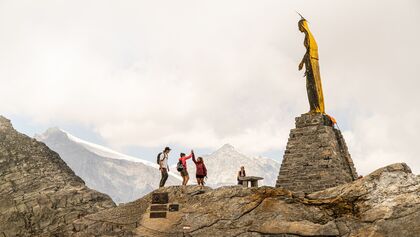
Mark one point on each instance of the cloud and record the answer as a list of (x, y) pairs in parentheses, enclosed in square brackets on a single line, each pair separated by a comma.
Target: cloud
[(200, 74)]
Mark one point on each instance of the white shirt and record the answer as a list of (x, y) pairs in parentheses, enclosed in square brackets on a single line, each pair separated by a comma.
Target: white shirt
[(163, 157)]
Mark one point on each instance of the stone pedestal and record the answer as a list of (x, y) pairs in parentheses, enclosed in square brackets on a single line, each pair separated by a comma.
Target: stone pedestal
[(316, 156)]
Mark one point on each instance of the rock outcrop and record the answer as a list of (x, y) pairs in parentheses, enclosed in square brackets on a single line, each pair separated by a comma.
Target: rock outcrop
[(384, 203), (39, 194), (316, 156)]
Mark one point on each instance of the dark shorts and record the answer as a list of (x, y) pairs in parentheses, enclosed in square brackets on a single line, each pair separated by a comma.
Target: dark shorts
[(184, 173), (199, 176)]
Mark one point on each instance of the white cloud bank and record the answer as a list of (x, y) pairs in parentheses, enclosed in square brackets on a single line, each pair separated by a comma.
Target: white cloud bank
[(205, 73)]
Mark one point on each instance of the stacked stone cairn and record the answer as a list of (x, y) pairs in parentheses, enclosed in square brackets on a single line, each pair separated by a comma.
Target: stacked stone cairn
[(316, 156)]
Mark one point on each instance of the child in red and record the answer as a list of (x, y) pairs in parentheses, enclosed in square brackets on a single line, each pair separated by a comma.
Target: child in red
[(201, 170), (184, 173)]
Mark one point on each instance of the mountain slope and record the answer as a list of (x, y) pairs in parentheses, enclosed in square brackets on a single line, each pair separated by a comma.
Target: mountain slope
[(123, 177), (39, 194), (223, 166)]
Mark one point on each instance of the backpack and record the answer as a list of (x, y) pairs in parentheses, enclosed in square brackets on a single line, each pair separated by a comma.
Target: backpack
[(158, 158), (179, 166)]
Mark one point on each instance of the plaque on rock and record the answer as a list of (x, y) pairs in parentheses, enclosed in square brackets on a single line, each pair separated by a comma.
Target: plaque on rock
[(173, 207), (159, 207), (160, 198), (157, 214)]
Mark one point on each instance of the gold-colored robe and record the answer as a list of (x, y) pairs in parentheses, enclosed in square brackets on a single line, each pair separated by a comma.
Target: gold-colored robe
[(313, 76)]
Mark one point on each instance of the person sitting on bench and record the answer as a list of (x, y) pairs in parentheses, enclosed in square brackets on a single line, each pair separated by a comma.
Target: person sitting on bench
[(241, 173)]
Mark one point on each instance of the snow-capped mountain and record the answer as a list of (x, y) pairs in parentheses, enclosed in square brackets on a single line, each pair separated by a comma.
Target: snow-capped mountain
[(122, 177), (223, 166)]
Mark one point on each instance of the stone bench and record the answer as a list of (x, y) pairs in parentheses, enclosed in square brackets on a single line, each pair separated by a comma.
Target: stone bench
[(250, 179)]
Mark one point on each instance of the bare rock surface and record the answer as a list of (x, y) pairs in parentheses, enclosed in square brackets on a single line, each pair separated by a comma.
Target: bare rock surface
[(384, 203), (39, 194)]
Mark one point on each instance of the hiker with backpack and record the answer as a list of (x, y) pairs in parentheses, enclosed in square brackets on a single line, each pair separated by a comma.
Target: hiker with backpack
[(201, 170), (162, 160), (182, 167)]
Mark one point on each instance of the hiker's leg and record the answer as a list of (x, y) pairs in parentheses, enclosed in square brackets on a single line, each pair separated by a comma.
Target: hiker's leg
[(162, 182), (165, 177), (186, 179)]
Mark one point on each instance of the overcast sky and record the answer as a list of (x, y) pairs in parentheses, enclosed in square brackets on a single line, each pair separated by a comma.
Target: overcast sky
[(137, 75)]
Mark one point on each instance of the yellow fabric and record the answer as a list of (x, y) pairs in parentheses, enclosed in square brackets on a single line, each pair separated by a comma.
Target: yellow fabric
[(312, 50), (313, 47)]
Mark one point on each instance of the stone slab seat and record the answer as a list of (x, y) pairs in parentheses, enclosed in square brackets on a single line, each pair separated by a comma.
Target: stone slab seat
[(250, 179)]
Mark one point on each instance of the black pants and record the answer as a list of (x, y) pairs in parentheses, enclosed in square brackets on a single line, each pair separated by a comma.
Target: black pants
[(164, 173)]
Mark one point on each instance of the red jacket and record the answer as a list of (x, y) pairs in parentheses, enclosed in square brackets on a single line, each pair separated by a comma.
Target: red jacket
[(184, 161), (200, 167)]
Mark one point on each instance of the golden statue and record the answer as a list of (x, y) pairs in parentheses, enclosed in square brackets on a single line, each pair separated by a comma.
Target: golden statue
[(313, 77)]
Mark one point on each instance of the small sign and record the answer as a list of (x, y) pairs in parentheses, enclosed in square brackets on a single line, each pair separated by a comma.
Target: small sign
[(160, 198), (159, 207), (173, 207), (157, 214)]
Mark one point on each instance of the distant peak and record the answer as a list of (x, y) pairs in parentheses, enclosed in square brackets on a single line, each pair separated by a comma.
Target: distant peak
[(54, 130), (50, 132), (227, 147)]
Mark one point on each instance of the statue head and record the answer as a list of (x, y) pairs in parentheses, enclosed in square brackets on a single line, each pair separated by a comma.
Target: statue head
[(301, 24)]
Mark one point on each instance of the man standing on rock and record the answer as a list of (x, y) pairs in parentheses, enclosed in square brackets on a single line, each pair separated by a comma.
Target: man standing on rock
[(163, 165)]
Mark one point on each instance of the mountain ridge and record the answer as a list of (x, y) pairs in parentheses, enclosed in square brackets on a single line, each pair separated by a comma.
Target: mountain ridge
[(224, 164), (120, 177)]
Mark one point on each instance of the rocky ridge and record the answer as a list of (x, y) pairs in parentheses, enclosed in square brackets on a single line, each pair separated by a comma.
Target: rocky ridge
[(384, 203), (39, 194)]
